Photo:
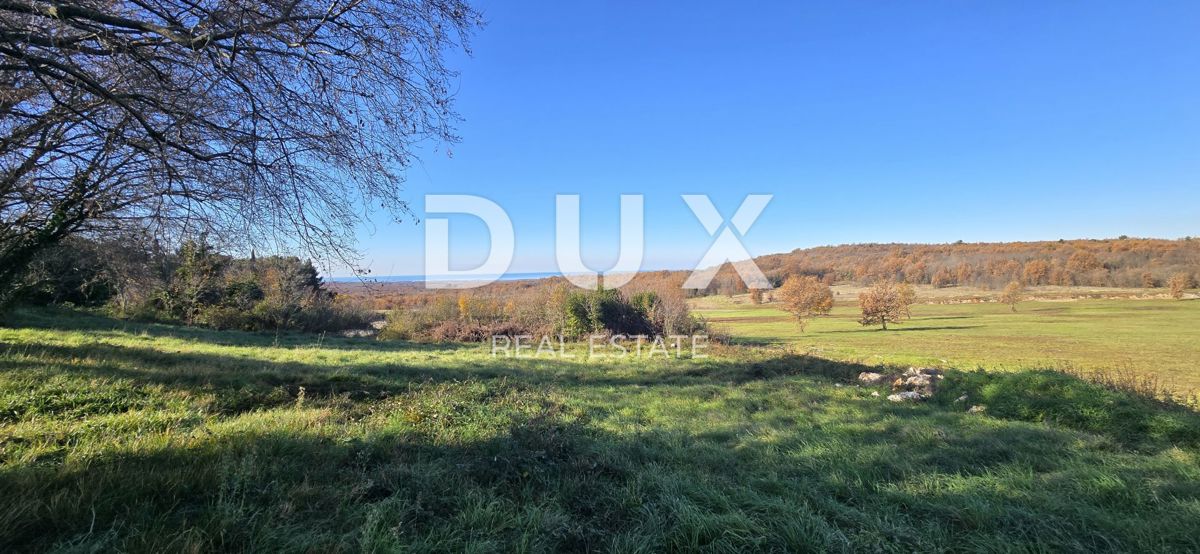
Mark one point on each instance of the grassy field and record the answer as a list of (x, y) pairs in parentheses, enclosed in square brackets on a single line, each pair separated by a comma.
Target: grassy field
[(1157, 337), (117, 436)]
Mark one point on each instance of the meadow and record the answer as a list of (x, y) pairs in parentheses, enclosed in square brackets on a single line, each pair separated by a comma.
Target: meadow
[(1146, 337), (146, 437)]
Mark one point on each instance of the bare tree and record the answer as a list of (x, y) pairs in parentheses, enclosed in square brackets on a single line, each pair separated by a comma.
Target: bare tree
[(269, 121), (805, 297)]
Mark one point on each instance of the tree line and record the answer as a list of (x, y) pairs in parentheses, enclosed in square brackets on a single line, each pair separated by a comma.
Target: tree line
[(1121, 262), (192, 285)]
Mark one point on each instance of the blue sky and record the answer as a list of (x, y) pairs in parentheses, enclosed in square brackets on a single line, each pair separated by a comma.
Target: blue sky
[(867, 121)]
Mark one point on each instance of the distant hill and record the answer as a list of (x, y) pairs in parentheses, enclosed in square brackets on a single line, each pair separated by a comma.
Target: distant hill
[(1124, 262)]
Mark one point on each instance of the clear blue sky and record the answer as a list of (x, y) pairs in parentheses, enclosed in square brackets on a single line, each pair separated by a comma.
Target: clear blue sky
[(868, 121)]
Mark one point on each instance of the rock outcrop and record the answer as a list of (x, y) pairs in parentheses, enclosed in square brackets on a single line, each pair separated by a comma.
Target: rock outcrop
[(921, 381), (906, 396), (915, 384), (871, 378)]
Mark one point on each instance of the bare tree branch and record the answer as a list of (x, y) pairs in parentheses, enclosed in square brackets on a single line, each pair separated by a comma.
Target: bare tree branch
[(267, 123)]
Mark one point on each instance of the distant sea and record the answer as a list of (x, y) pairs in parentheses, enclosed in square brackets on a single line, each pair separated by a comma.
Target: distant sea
[(422, 278)]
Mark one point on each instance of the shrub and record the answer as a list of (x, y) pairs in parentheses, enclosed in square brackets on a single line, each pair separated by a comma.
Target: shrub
[(402, 325), (256, 294), (1179, 283), (544, 309), (75, 271), (608, 311)]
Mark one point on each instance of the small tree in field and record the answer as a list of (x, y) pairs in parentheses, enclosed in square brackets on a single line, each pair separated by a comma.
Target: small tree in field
[(805, 297), (883, 303), (908, 297), (1178, 283), (1013, 294)]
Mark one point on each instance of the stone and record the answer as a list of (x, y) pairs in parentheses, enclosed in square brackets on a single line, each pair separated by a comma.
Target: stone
[(875, 393), (977, 409), (906, 396), (871, 378), (960, 399), (920, 380)]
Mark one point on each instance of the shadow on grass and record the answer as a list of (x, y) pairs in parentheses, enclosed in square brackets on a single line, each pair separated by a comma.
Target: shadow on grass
[(245, 383), (537, 475), (899, 327), (404, 455), (758, 341), (63, 319), (238, 384)]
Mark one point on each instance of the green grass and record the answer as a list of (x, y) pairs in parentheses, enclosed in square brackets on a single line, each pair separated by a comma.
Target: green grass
[(118, 436), (1157, 337)]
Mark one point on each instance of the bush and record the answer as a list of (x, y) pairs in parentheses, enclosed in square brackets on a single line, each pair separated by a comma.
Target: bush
[(402, 325), (424, 325), (544, 309), (73, 272), (608, 311), (256, 294)]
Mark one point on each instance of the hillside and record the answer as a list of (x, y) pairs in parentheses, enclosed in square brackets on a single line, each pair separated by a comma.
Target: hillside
[(1124, 262), (1120, 263)]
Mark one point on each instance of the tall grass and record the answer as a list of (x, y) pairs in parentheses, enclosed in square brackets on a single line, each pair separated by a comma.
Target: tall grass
[(1152, 386)]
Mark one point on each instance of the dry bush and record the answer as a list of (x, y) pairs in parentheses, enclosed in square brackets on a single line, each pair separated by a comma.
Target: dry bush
[(1179, 283)]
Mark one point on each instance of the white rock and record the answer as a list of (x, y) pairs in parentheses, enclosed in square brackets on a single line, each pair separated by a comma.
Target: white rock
[(906, 396), (977, 409), (871, 378)]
